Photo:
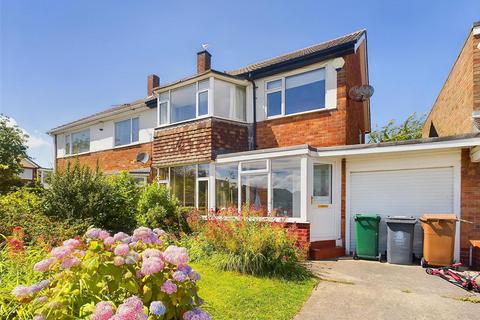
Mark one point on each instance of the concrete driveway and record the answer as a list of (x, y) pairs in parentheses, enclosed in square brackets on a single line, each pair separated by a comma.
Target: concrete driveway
[(372, 290)]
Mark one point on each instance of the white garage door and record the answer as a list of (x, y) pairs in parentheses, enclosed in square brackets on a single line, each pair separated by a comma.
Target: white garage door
[(400, 192)]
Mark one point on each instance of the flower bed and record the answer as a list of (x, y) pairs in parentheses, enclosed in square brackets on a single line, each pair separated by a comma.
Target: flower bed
[(114, 277)]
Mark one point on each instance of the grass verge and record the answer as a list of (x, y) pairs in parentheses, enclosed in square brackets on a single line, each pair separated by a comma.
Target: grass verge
[(230, 295)]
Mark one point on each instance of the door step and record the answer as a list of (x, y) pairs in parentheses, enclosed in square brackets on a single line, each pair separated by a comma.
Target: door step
[(320, 250)]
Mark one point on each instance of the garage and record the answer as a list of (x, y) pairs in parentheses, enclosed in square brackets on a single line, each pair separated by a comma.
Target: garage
[(401, 189)]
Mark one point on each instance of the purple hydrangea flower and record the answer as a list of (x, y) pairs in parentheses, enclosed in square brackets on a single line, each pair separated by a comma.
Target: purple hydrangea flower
[(93, 233), (119, 236), (194, 275), (196, 314), (109, 241), (70, 262), (179, 276), (169, 287), (61, 252), (21, 292), (185, 269), (131, 257), (157, 308)]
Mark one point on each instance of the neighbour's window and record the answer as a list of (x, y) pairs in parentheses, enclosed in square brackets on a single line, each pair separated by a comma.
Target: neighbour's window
[(226, 185), (302, 92), (229, 101), (77, 142), (126, 131), (286, 187), (183, 104), (140, 180), (322, 183)]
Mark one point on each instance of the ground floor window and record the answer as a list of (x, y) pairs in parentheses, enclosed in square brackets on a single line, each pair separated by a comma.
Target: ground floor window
[(286, 187), (226, 185), (255, 192)]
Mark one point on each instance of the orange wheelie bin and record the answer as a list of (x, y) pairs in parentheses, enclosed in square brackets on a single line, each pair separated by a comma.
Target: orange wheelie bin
[(438, 239)]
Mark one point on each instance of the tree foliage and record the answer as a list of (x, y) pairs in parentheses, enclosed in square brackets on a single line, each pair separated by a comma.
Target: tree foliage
[(12, 150), (410, 129)]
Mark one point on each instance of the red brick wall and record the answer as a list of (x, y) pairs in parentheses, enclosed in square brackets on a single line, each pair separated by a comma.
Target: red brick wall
[(302, 231), (113, 160), (470, 206), (198, 141), (340, 126), (452, 110)]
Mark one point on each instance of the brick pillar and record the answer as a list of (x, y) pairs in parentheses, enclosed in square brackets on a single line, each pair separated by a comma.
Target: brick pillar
[(204, 61), (153, 81), (470, 207)]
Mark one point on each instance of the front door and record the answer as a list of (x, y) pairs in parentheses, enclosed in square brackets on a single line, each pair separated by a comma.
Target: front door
[(322, 208)]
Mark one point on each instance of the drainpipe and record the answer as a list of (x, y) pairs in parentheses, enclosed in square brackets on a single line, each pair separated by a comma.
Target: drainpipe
[(254, 131)]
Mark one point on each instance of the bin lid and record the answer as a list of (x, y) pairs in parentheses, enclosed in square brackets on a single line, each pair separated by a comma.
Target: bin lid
[(438, 216), (401, 219), (366, 216)]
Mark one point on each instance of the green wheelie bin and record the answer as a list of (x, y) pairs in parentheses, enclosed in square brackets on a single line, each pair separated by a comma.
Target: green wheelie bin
[(366, 236)]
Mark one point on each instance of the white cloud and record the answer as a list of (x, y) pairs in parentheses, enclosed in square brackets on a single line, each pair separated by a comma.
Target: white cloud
[(39, 146)]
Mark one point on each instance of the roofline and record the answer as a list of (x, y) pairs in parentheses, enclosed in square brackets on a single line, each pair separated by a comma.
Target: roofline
[(461, 141), (97, 116), (28, 159)]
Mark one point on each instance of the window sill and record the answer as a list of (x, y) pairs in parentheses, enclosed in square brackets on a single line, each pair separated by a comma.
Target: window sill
[(74, 155), (128, 145), (171, 125), (281, 116)]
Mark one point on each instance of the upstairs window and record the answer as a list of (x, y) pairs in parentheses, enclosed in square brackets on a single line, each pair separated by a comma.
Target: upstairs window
[(296, 94), (229, 101), (126, 131), (78, 142)]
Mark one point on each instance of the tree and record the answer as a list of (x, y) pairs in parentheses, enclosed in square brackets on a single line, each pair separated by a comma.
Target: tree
[(410, 129), (12, 150)]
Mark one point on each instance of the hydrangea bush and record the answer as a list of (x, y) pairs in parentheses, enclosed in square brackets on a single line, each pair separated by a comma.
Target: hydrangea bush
[(119, 277)]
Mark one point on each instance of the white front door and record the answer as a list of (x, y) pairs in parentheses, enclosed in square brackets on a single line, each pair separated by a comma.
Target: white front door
[(322, 213)]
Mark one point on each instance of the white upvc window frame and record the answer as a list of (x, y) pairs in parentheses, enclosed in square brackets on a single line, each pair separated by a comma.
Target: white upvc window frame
[(266, 171), (209, 91), (131, 132), (283, 90), (70, 142)]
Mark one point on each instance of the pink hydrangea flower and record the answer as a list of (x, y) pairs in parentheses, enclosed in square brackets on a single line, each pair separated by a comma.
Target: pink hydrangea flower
[(39, 317), (109, 241), (70, 262), (142, 234), (131, 309), (103, 311), (44, 265), (74, 243), (176, 255), (102, 234), (159, 232), (169, 287), (93, 233), (149, 253), (119, 236), (118, 261), (152, 265), (61, 252), (121, 249)]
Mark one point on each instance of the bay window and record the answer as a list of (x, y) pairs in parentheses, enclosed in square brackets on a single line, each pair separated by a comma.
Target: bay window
[(229, 101), (126, 131), (183, 104), (296, 93), (78, 142)]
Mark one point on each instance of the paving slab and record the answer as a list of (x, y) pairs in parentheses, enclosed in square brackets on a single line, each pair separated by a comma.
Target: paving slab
[(372, 290)]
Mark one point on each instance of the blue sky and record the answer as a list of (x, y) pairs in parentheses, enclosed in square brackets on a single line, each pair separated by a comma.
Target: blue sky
[(61, 60)]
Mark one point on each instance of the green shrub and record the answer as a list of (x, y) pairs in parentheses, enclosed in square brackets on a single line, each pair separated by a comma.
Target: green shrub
[(23, 208), (79, 193), (158, 208), (234, 241)]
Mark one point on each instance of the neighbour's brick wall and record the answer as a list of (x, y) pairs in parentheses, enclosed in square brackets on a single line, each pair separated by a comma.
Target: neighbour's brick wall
[(470, 206), (198, 141), (112, 160), (452, 111), (339, 126)]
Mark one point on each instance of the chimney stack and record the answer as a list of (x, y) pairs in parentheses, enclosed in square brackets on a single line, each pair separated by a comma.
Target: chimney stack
[(153, 81), (204, 61)]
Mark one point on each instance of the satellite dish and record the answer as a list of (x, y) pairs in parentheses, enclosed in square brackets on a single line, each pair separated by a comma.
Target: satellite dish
[(143, 157), (361, 93)]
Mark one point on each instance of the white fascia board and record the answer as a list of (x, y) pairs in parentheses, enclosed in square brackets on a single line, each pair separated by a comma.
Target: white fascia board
[(264, 155), (475, 154), (359, 42), (463, 143)]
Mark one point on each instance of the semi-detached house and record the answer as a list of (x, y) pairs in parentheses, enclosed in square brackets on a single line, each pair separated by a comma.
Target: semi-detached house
[(285, 135)]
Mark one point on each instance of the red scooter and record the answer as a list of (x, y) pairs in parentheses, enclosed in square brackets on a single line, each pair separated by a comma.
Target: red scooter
[(463, 280)]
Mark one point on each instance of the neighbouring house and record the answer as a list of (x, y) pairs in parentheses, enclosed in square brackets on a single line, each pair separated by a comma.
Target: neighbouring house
[(285, 135), (29, 170)]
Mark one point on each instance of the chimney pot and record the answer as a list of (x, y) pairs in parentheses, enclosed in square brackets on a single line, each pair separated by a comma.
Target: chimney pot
[(204, 61), (153, 81)]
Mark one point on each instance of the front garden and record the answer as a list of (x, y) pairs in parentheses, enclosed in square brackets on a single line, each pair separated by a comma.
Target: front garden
[(100, 247)]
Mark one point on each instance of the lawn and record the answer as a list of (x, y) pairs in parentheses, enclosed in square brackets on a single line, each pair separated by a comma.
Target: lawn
[(230, 295)]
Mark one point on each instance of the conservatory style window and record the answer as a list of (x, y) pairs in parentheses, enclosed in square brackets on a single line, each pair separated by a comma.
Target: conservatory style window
[(229, 101), (286, 187), (226, 185), (296, 93)]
